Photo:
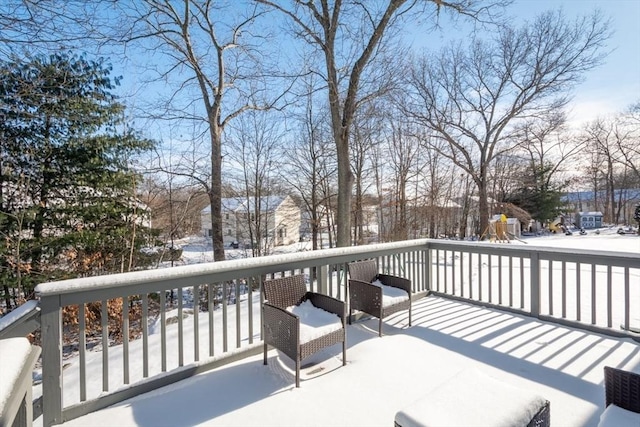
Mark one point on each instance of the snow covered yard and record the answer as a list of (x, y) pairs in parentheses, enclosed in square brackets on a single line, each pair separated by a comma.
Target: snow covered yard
[(383, 375)]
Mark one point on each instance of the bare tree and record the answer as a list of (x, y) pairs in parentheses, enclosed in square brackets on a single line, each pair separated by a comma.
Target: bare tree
[(349, 35), (542, 154), (628, 139), (308, 164), (602, 139), (214, 56), (37, 26), (474, 99), (252, 152)]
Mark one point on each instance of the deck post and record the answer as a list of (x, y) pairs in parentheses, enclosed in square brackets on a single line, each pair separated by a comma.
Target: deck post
[(51, 323), (323, 276), (535, 283)]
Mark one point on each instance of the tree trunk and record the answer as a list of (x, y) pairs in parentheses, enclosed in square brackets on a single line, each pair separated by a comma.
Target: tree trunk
[(215, 192)]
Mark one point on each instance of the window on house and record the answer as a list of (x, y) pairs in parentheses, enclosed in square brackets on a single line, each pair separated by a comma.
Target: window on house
[(229, 232), (226, 216)]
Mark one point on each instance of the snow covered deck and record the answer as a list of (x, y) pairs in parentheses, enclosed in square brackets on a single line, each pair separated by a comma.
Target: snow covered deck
[(383, 375)]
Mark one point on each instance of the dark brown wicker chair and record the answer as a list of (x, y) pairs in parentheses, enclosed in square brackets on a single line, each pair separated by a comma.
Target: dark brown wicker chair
[(282, 328), (622, 388), (364, 296)]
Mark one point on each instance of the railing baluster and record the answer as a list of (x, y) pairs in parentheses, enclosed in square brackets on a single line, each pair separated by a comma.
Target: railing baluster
[(550, 287), (470, 268), (490, 281), (510, 259), (105, 346), (225, 322), (196, 322), (144, 325), (212, 306), (238, 313), (125, 340), (593, 294), (438, 270), (180, 328), (609, 296), (522, 282), (82, 335), (480, 277), (564, 290), (500, 290), (578, 294), (249, 285), (627, 299), (461, 274), (163, 329), (453, 272)]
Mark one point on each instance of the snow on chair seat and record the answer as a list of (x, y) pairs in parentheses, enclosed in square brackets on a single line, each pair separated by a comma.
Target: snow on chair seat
[(473, 399)]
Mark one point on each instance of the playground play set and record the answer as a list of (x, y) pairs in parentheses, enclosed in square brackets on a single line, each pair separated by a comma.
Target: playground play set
[(502, 229)]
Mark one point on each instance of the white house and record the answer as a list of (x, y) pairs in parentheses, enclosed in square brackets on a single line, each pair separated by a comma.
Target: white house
[(279, 218)]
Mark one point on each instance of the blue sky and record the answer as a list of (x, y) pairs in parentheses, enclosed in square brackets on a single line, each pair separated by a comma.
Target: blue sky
[(615, 85)]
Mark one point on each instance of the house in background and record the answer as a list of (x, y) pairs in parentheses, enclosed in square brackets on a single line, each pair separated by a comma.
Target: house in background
[(279, 218), (588, 220), (624, 202)]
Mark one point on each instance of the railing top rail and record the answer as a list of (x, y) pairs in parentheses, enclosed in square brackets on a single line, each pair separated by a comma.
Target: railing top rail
[(224, 270), (523, 250)]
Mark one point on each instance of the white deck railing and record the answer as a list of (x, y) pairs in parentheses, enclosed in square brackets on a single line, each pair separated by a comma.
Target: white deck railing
[(598, 291)]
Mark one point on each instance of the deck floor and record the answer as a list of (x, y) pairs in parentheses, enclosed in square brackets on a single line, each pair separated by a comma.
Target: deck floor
[(383, 375)]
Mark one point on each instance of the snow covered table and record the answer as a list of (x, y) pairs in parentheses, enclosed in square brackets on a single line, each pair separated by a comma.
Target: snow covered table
[(18, 360), (474, 399)]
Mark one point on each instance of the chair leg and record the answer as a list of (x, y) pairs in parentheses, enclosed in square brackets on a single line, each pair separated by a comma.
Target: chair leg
[(265, 353), (298, 373), (409, 313), (350, 314), (380, 327), (344, 351)]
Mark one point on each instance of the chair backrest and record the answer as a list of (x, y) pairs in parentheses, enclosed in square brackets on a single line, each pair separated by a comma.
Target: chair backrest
[(365, 271), (285, 291)]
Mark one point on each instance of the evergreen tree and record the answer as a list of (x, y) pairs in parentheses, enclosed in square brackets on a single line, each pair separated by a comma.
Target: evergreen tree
[(538, 195), (67, 193)]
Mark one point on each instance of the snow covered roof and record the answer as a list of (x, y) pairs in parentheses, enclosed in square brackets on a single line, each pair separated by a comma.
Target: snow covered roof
[(242, 204), (578, 196)]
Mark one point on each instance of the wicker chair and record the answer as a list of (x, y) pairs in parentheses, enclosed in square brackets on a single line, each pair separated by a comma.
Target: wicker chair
[(366, 297), (622, 389), (282, 328)]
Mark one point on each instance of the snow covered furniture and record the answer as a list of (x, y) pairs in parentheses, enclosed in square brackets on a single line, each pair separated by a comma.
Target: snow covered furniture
[(378, 295), (622, 398), (300, 323), (18, 360), (472, 399)]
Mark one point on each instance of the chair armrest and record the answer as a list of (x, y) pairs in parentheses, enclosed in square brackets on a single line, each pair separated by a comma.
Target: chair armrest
[(396, 282), (281, 329), (622, 388), (365, 296), (327, 303)]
